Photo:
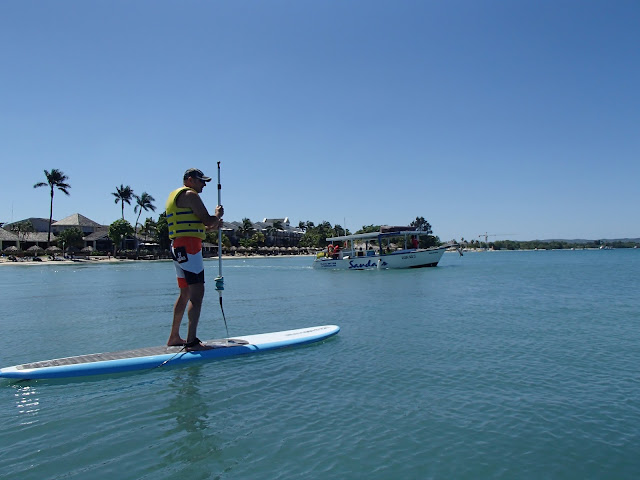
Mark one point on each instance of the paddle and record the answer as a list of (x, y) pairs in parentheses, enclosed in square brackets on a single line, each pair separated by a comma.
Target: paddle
[(219, 279)]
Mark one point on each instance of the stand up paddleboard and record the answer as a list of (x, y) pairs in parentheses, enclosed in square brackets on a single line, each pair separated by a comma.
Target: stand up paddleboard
[(153, 357)]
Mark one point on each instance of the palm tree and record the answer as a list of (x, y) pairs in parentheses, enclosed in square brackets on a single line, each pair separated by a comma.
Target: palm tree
[(55, 179), (123, 195), (150, 227), (271, 231), (339, 230), (246, 229), (143, 202), (277, 225), (422, 225)]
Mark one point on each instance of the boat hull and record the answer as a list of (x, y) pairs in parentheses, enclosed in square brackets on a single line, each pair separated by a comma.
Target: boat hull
[(402, 259)]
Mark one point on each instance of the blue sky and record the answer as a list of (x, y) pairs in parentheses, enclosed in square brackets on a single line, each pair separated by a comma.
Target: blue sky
[(516, 118)]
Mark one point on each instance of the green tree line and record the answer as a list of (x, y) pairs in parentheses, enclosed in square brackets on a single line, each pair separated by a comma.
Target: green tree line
[(314, 235), (118, 230), (551, 244)]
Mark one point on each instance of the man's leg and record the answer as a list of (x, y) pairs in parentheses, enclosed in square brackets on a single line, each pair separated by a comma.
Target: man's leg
[(196, 294), (178, 312)]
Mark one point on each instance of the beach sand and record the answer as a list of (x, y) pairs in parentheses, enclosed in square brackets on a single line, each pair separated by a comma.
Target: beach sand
[(58, 261), (96, 259)]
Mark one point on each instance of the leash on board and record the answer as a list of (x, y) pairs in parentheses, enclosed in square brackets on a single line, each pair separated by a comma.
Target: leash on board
[(182, 350), (220, 279)]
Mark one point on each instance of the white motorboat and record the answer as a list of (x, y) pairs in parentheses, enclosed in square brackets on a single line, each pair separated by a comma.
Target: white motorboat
[(355, 252)]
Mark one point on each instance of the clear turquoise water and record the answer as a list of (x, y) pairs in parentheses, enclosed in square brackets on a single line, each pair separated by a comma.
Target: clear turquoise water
[(494, 365)]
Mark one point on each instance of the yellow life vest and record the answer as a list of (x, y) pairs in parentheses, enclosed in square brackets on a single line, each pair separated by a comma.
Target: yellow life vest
[(182, 221)]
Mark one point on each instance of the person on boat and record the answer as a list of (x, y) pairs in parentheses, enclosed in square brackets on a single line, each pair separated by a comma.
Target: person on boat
[(188, 219), (330, 248), (414, 241), (336, 251)]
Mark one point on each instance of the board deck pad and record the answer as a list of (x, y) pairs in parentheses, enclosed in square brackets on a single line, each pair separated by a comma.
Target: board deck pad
[(124, 354), (153, 357)]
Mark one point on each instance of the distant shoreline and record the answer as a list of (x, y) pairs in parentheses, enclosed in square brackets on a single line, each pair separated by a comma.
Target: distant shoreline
[(104, 260)]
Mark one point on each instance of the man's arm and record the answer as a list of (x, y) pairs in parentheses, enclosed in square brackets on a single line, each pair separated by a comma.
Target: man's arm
[(190, 199)]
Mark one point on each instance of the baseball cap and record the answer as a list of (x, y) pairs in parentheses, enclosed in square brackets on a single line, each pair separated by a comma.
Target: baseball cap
[(195, 173)]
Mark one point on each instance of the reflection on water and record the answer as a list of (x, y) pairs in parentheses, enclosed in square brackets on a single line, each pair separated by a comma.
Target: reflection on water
[(201, 439), (193, 438), (188, 403), (27, 402)]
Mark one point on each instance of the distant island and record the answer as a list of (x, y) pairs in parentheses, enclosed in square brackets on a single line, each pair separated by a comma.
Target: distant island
[(553, 244)]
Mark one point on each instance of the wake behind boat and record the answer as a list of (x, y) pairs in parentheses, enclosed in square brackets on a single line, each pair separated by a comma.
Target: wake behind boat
[(354, 257)]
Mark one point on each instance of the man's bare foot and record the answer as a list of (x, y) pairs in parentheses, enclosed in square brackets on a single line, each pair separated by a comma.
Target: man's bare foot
[(176, 342), (198, 347)]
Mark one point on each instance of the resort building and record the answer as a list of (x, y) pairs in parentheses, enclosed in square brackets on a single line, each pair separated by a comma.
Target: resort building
[(96, 236), (37, 232), (8, 239), (82, 223), (26, 233), (281, 236), (278, 234)]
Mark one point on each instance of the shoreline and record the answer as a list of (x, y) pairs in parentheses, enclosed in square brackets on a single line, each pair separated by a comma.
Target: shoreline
[(107, 260), (102, 260)]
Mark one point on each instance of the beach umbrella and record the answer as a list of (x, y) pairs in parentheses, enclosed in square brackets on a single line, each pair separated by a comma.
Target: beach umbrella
[(12, 249), (53, 249), (36, 249)]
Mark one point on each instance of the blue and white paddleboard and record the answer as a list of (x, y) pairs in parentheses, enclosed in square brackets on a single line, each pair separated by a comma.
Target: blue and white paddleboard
[(149, 358)]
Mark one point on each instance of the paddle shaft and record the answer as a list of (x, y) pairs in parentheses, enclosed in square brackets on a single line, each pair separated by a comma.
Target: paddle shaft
[(219, 279), (219, 226)]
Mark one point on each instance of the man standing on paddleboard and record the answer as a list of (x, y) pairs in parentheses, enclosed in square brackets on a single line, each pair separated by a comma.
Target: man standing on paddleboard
[(188, 220)]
